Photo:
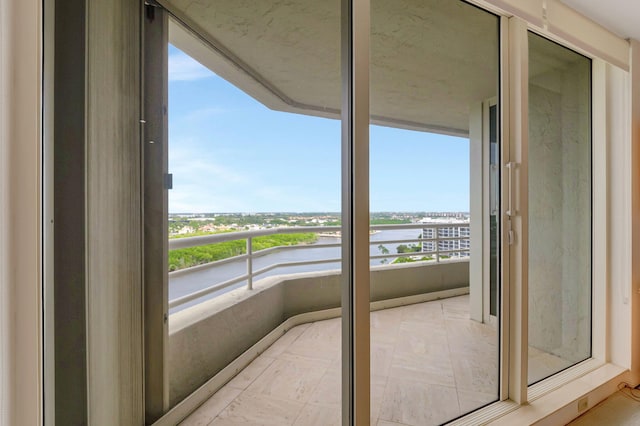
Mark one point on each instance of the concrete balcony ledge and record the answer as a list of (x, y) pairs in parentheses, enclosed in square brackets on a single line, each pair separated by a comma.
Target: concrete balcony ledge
[(205, 338)]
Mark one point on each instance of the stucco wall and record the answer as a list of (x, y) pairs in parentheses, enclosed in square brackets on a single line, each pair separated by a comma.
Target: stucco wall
[(559, 202)]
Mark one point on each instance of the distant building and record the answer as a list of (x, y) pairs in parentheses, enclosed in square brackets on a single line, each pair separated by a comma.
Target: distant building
[(451, 240), (186, 230)]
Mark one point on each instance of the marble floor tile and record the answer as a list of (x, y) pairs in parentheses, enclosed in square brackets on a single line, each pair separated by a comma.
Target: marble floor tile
[(543, 365), (290, 378), (418, 404), (420, 340), (419, 354), (461, 301), (285, 341), (455, 311), (468, 329), (386, 320), (381, 357), (320, 415), (329, 389), (204, 414), (252, 409), (378, 388), (386, 423), (470, 401), (251, 372), (383, 335), (476, 374), (320, 340), (430, 311), (423, 368)]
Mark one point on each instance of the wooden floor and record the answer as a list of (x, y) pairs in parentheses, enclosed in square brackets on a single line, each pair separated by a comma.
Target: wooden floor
[(429, 364)]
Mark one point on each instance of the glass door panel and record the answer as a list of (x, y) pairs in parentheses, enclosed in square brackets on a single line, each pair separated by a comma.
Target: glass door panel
[(254, 210), (559, 153), (434, 153)]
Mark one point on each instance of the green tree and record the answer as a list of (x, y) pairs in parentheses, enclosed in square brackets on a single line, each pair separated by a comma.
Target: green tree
[(411, 248), (403, 248)]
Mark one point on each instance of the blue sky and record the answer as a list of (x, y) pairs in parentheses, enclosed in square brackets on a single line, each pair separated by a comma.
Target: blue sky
[(229, 153)]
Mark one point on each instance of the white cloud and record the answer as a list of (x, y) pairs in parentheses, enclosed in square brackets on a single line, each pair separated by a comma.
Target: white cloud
[(184, 68), (199, 169), (204, 114)]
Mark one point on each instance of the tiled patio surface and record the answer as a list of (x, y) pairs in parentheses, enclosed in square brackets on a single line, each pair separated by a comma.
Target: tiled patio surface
[(429, 364)]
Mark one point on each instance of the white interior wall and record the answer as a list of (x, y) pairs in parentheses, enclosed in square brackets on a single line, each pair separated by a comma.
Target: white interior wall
[(619, 138), (634, 221)]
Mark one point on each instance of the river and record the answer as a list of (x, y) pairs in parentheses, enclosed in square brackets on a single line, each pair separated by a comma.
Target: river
[(181, 285)]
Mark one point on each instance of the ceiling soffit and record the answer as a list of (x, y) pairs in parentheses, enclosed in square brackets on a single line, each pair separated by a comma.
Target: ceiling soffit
[(430, 60)]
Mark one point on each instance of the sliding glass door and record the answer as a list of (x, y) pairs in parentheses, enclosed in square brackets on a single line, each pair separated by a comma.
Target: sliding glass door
[(371, 211), (434, 157)]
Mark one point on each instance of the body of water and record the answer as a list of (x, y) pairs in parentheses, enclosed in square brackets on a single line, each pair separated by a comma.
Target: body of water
[(182, 285)]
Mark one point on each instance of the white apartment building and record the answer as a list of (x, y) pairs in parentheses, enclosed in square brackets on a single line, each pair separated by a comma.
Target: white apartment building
[(452, 240)]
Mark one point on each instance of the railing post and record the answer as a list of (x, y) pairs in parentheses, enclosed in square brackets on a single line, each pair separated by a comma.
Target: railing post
[(437, 244), (249, 263)]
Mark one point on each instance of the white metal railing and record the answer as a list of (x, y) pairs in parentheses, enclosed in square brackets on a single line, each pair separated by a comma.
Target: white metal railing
[(250, 255)]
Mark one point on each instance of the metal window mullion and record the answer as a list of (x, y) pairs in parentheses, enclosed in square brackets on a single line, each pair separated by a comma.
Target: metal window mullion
[(504, 137), (355, 212), (517, 196), (600, 210), (155, 211)]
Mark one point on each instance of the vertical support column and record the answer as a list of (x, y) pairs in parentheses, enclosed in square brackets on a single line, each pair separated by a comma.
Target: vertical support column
[(620, 227), (48, 225), (635, 209), (69, 248), (355, 212), (20, 212), (517, 199), (505, 221), (114, 235), (155, 164)]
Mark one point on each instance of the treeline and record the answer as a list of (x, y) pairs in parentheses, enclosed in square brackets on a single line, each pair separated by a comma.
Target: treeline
[(388, 221), (176, 223), (192, 256), (411, 260)]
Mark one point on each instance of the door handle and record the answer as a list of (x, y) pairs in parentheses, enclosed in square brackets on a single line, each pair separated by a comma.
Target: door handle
[(510, 169)]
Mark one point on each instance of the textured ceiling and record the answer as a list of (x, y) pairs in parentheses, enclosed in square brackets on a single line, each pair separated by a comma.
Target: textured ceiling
[(431, 60)]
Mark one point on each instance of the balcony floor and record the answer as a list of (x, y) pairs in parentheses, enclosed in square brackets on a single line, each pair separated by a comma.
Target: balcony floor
[(429, 364)]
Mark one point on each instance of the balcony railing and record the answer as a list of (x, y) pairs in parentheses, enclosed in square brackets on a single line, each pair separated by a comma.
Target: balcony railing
[(437, 254)]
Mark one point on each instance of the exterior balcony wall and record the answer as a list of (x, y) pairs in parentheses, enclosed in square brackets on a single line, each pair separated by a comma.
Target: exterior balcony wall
[(205, 338)]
